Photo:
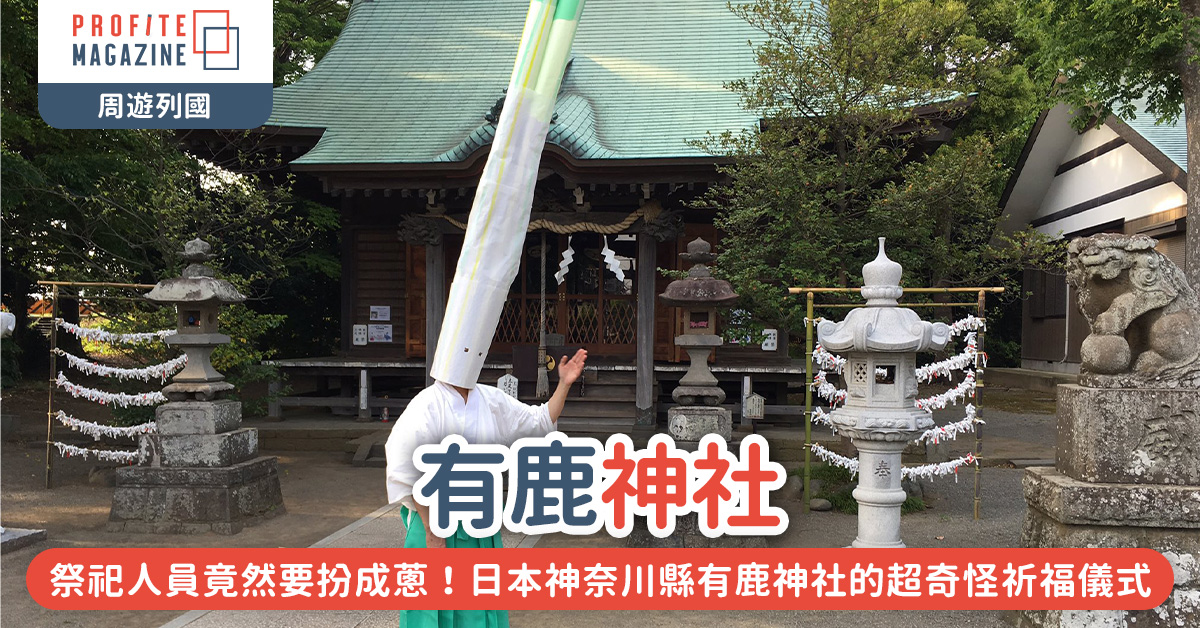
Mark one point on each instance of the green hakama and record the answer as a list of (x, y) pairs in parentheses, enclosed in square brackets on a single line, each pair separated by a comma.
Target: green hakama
[(415, 537)]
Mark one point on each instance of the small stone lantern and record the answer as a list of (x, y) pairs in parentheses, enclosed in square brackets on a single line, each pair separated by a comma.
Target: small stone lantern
[(197, 297), (880, 343), (698, 393)]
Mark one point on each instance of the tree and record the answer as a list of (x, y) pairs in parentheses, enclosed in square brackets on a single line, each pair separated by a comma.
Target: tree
[(304, 31), (1113, 53), (849, 93), (117, 205)]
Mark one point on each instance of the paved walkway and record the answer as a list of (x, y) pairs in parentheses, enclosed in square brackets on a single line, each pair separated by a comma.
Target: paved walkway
[(948, 523), (383, 528)]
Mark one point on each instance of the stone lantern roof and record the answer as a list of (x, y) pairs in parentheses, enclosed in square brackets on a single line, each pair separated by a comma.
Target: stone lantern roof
[(881, 325), (700, 289), (198, 283)]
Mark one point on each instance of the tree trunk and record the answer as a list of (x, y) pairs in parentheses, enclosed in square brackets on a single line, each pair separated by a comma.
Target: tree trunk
[(1190, 75)]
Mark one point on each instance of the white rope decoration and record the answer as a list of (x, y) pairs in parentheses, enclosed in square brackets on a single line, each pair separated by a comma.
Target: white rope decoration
[(828, 391), (97, 430), (99, 335), (950, 431), (828, 361), (970, 323), (964, 389), (923, 471), (610, 260), (145, 373), (107, 455), (110, 399), (564, 265), (958, 362)]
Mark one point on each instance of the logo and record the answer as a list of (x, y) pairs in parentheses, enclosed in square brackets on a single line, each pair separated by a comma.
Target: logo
[(136, 64)]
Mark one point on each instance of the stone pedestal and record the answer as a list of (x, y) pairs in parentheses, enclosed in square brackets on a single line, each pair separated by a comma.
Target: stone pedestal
[(204, 474), (1126, 476), (688, 424), (879, 494), (1129, 435)]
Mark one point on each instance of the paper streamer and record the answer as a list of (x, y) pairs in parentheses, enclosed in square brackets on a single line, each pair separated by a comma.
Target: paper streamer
[(951, 431), (964, 389), (97, 430), (828, 391), (924, 471), (970, 357), (107, 455), (970, 323), (564, 265), (145, 373), (99, 335), (101, 397), (610, 260), (828, 361)]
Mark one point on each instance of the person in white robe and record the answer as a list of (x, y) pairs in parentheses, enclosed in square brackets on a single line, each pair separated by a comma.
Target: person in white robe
[(482, 415)]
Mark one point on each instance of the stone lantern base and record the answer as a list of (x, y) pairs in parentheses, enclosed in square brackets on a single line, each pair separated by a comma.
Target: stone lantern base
[(205, 474)]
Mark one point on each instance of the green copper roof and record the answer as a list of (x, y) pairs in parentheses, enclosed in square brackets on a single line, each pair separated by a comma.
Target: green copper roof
[(409, 81), (1170, 138)]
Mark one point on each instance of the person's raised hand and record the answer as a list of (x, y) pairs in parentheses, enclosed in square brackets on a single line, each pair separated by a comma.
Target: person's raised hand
[(570, 370)]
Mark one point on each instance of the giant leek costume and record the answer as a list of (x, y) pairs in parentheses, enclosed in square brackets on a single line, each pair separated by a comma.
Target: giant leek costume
[(486, 268), (500, 213)]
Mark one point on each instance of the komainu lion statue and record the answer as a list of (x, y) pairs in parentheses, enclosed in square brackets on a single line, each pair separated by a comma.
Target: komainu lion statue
[(1144, 317)]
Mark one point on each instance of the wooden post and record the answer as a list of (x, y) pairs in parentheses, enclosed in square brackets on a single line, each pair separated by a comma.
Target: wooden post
[(981, 311), (646, 272), (435, 300), (349, 254), (274, 409), (747, 388), (809, 324), (364, 395), (53, 383)]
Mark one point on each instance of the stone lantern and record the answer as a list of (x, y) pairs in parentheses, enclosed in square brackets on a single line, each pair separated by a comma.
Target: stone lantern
[(197, 297), (204, 471), (880, 343), (698, 393)]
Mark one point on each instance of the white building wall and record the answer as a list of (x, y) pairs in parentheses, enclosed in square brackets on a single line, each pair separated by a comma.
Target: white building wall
[(1109, 172)]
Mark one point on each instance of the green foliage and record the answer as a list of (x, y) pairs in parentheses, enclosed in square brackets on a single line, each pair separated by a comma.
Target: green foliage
[(10, 362), (850, 95), (1112, 53), (117, 206), (304, 31)]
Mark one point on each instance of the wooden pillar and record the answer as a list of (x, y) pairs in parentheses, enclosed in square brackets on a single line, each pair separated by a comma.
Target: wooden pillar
[(349, 255), (435, 300), (646, 270)]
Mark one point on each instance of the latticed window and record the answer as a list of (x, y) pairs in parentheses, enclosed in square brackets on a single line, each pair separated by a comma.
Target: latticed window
[(859, 372)]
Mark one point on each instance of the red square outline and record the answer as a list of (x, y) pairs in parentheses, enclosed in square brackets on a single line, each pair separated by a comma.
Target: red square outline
[(196, 30)]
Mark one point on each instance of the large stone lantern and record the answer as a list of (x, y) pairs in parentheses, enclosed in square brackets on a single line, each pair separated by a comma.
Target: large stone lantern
[(880, 343), (698, 393), (204, 472)]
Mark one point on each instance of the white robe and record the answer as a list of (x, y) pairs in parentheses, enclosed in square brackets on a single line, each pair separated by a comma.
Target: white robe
[(488, 416)]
